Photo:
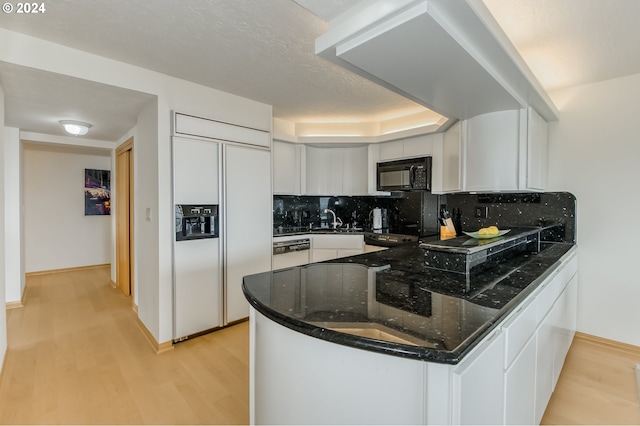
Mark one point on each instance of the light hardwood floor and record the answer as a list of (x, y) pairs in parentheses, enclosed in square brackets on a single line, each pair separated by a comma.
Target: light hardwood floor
[(77, 356), (597, 385)]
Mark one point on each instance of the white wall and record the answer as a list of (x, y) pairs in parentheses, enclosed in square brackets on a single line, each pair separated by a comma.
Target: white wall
[(14, 249), (3, 312), (155, 238), (57, 233), (594, 153)]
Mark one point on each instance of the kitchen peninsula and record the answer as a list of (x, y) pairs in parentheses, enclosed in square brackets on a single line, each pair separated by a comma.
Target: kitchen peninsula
[(384, 338)]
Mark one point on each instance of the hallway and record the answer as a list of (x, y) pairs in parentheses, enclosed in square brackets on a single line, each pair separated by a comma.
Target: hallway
[(76, 356)]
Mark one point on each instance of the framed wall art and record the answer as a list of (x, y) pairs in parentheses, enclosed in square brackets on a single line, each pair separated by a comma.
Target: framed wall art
[(97, 192)]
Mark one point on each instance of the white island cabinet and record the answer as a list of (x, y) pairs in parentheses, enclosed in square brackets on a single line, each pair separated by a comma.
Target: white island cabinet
[(507, 378)]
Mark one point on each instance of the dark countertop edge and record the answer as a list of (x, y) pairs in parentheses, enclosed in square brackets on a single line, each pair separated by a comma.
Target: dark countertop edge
[(408, 351)]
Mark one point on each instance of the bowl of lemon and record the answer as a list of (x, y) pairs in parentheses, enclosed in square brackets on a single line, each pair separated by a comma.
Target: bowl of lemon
[(488, 232)]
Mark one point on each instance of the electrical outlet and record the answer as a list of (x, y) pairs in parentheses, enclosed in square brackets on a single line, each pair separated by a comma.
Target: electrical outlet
[(482, 212)]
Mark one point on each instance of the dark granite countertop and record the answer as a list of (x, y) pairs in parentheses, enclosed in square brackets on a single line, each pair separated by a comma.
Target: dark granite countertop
[(391, 302)]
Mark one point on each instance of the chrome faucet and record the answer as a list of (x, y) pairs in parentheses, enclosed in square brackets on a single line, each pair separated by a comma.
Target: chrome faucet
[(336, 220)]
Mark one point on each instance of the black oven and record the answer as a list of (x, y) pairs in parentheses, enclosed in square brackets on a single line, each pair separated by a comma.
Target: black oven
[(194, 222), (413, 174)]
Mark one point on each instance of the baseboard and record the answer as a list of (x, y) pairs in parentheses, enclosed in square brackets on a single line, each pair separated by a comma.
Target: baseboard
[(157, 347), (14, 305), (3, 367), (113, 284), (62, 270), (19, 303), (607, 343), (134, 308)]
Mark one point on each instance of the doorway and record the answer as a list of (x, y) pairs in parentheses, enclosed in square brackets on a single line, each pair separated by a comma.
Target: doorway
[(124, 217)]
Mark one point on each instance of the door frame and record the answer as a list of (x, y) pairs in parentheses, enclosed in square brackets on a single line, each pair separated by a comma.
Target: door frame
[(124, 147)]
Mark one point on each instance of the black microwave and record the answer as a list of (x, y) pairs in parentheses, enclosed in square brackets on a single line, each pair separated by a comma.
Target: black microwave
[(413, 174)]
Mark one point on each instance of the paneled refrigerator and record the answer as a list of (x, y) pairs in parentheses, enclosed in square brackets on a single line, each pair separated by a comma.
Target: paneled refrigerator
[(233, 180)]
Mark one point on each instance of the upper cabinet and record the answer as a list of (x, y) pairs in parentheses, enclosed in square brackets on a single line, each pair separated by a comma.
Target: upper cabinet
[(447, 151), (537, 146), (418, 146), (336, 171), (307, 170), (499, 151), (505, 151), (449, 55), (287, 168), (492, 149)]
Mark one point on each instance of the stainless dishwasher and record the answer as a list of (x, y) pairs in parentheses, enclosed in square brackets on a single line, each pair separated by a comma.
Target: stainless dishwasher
[(291, 253)]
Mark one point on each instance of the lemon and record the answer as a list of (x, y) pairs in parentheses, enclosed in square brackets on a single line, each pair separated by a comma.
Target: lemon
[(483, 231), (492, 230)]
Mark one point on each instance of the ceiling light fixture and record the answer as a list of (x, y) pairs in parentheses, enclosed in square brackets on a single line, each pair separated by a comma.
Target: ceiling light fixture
[(76, 128)]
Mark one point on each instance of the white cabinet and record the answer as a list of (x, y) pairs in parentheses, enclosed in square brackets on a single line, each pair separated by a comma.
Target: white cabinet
[(355, 171), (372, 170), (418, 146), (287, 168), (520, 387), (328, 247), (194, 163), (393, 150), (505, 151), (247, 222), (336, 171), (537, 146), (191, 126), (492, 149), (498, 151), (447, 151), (478, 384), (538, 337), (565, 326), (520, 364), (544, 366), (318, 168)]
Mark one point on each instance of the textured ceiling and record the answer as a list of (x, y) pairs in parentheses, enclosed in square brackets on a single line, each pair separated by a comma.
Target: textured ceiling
[(264, 50), (36, 100)]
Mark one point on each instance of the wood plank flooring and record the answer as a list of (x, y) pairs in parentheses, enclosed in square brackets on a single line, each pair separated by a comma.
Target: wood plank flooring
[(597, 385), (77, 356)]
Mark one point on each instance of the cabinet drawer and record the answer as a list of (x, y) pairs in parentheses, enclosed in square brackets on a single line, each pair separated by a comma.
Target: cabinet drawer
[(518, 330), (553, 289), (569, 269)]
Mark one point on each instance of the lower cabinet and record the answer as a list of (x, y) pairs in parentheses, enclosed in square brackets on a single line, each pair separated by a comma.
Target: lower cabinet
[(520, 387), (478, 385), (511, 376), (329, 247)]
